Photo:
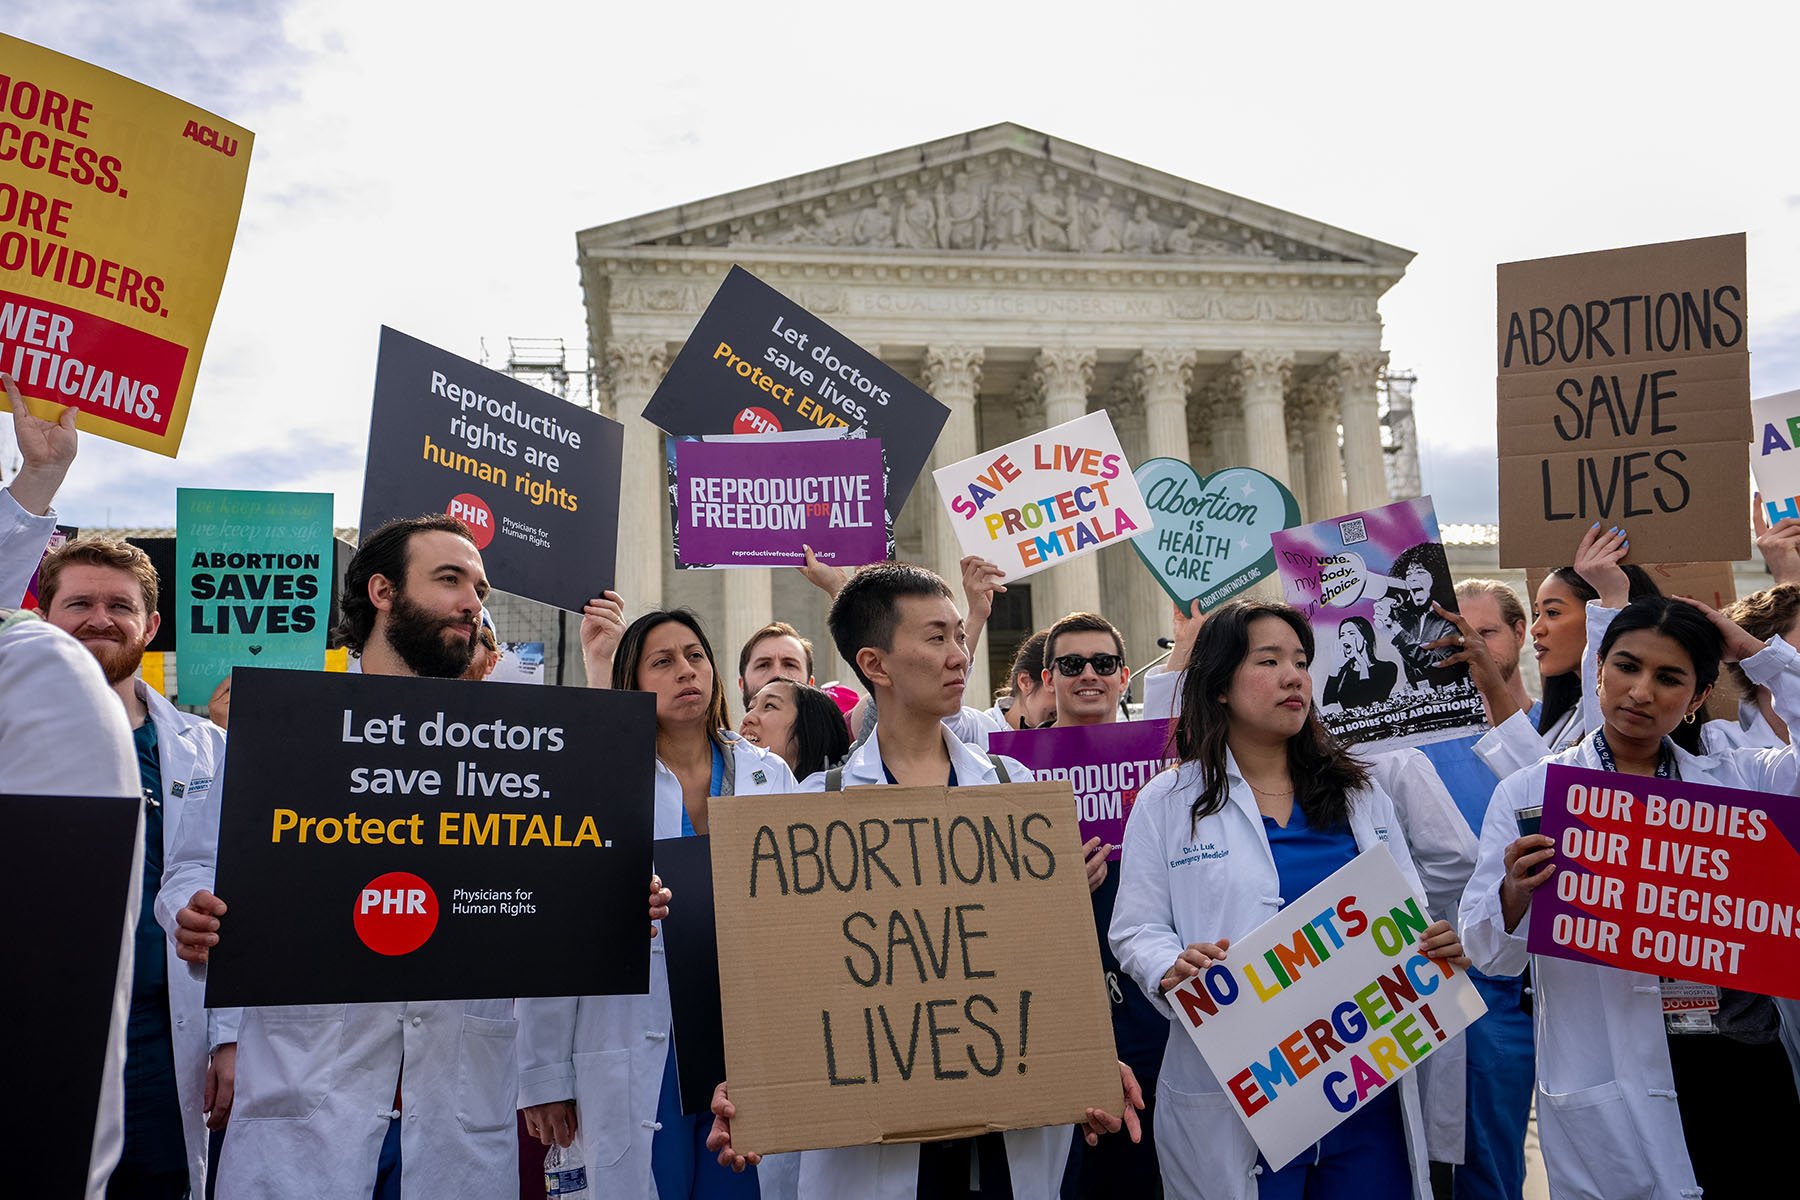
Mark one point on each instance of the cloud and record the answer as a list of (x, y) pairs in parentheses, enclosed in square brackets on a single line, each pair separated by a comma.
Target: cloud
[(1463, 482)]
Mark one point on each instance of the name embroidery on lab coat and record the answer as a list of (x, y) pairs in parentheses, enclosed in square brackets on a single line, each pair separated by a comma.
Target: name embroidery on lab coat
[(1200, 852)]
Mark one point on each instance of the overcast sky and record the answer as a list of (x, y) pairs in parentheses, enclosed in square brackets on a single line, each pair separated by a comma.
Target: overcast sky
[(427, 165)]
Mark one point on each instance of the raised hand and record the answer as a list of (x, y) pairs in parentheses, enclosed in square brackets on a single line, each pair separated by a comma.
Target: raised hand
[(1598, 559), (1780, 544), (602, 625), (48, 448), (1739, 644)]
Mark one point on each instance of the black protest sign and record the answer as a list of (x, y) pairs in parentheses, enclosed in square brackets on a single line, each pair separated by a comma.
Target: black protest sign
[(757, 363), (387, 838), (80, 850), (907, 964), (691, 951), (535, 478), (161, 553)]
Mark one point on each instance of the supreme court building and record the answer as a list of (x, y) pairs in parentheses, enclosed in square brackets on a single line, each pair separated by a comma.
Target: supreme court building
[(1022, 280)]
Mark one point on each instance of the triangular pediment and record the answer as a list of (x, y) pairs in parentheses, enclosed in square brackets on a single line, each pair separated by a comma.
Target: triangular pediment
[(1000, 191)]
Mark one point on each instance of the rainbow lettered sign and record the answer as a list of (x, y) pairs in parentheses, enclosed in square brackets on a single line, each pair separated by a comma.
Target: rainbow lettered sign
[(1046, 498), (1324, 1006)]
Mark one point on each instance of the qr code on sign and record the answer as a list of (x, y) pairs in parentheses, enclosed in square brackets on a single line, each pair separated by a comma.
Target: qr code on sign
[(1352, 531)]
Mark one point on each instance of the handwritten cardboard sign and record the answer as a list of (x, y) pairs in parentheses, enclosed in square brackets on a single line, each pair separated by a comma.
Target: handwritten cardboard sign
[(107, 293), (1710, 583), (1624, 397), (1367, 582), (1104, 764), (1324, 1006), (1045, 499), (1687, 880), (888, 977), (1209, 538)]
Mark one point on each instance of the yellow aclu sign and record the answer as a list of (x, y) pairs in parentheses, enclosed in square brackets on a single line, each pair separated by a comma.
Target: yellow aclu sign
[(118, 206)]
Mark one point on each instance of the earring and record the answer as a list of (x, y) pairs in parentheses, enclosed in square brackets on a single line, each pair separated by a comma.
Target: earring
[(1691, 717)]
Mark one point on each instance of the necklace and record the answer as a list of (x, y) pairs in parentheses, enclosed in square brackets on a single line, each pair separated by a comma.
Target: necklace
[(1260, 792)]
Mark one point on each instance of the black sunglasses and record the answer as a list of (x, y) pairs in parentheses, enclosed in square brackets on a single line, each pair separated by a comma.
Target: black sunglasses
[(1072, 665)]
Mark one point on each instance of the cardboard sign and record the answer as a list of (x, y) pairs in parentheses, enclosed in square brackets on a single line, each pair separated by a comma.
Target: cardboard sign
[(742, 502), (76, 979), (758, 363), (1775, 453), (1209, 538), (535, 478), (1104, 764), (1624, 397), (1326, 1004), (1685, 880), (1709, 583), (252, 582), (1045, 499), (1366, 582), (107, 293), (389, 838), (691, 951), (886, 970)]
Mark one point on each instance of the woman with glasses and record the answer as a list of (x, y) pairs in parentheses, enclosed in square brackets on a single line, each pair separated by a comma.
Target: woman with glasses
[(1280, 807)]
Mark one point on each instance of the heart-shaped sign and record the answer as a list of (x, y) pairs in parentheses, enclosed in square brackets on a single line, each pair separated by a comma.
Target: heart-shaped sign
[(1210, 537), (255, 649)]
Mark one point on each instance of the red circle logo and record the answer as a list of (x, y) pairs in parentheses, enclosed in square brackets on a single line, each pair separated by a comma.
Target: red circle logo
[(395, 913), (756, 420), (473, 511)]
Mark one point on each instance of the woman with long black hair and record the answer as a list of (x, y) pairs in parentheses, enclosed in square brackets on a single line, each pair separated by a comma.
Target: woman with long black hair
[(798, 722), (1630, 1103), (1278, 806)]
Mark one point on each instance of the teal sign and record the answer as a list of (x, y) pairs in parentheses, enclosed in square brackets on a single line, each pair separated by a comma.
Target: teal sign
[(1210, 537), (253, 583)]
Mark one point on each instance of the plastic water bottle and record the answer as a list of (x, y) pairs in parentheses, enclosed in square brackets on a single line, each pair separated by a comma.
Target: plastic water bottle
[(565, 1174)]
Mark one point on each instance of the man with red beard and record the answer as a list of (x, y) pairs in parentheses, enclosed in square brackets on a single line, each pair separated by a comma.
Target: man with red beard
[(179, 1058), (396, 1101)]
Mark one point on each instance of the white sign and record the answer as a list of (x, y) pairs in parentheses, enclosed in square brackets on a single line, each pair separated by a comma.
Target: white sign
[(1325, 1006), (1045, 499), (1775, 454)]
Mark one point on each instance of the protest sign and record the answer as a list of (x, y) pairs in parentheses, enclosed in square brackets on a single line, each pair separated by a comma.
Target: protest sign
[(535, 478), (1366, 583), (252, 583), (759, 363), (691, 952), (1209, 538), (1046, 498), (1345, 1005), (398, 838), (1687, 880), (60, 536), (75, 975), (887, 977), (1624, 397), (121, 203), (161, 553), (1104, 764), (1775, 453), (743, 501), (520, 662)]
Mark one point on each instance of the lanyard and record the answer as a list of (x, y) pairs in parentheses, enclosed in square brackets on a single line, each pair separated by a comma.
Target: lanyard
[(1665, 761)]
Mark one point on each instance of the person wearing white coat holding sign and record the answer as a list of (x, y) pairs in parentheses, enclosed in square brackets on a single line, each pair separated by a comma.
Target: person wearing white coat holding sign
[(1263, 806), (599, 1068), (1632, 1104)]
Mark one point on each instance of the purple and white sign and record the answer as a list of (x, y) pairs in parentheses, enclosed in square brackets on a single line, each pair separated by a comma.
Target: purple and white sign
[(1104, 764), (755, 502)]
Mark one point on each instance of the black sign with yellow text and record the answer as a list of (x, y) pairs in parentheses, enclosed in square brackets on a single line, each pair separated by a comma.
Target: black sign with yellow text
[(386, 838)]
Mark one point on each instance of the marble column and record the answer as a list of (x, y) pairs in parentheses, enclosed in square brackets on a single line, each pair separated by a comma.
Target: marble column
[(1325, 495), (953, 375), (1059, 381), (1159, 379), (1219, 423), (748, 603), (1263, 375), (633, 369), (1365, 469), (1297, 481)]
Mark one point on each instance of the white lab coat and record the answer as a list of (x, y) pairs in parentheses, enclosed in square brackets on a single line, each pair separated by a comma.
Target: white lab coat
[(1606, 1098), (316, 1082), (1035, 1157), (63, 733), (607, 1053), (1203, 1148), (191, 751), (23, 537)]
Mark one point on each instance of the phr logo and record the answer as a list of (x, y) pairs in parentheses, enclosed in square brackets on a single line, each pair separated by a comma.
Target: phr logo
[(395, 913), (473, 511)]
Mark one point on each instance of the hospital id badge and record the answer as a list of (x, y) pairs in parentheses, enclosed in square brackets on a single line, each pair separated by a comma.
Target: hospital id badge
[(1689, 1007)]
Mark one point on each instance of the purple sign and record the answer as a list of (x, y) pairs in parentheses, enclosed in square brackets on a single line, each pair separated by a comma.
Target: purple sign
[(752, 502), (1104, 764)]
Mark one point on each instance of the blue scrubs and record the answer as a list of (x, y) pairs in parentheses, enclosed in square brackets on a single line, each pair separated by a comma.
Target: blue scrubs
[(680, 1163), (1364, 1158), (1501, 1052)]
